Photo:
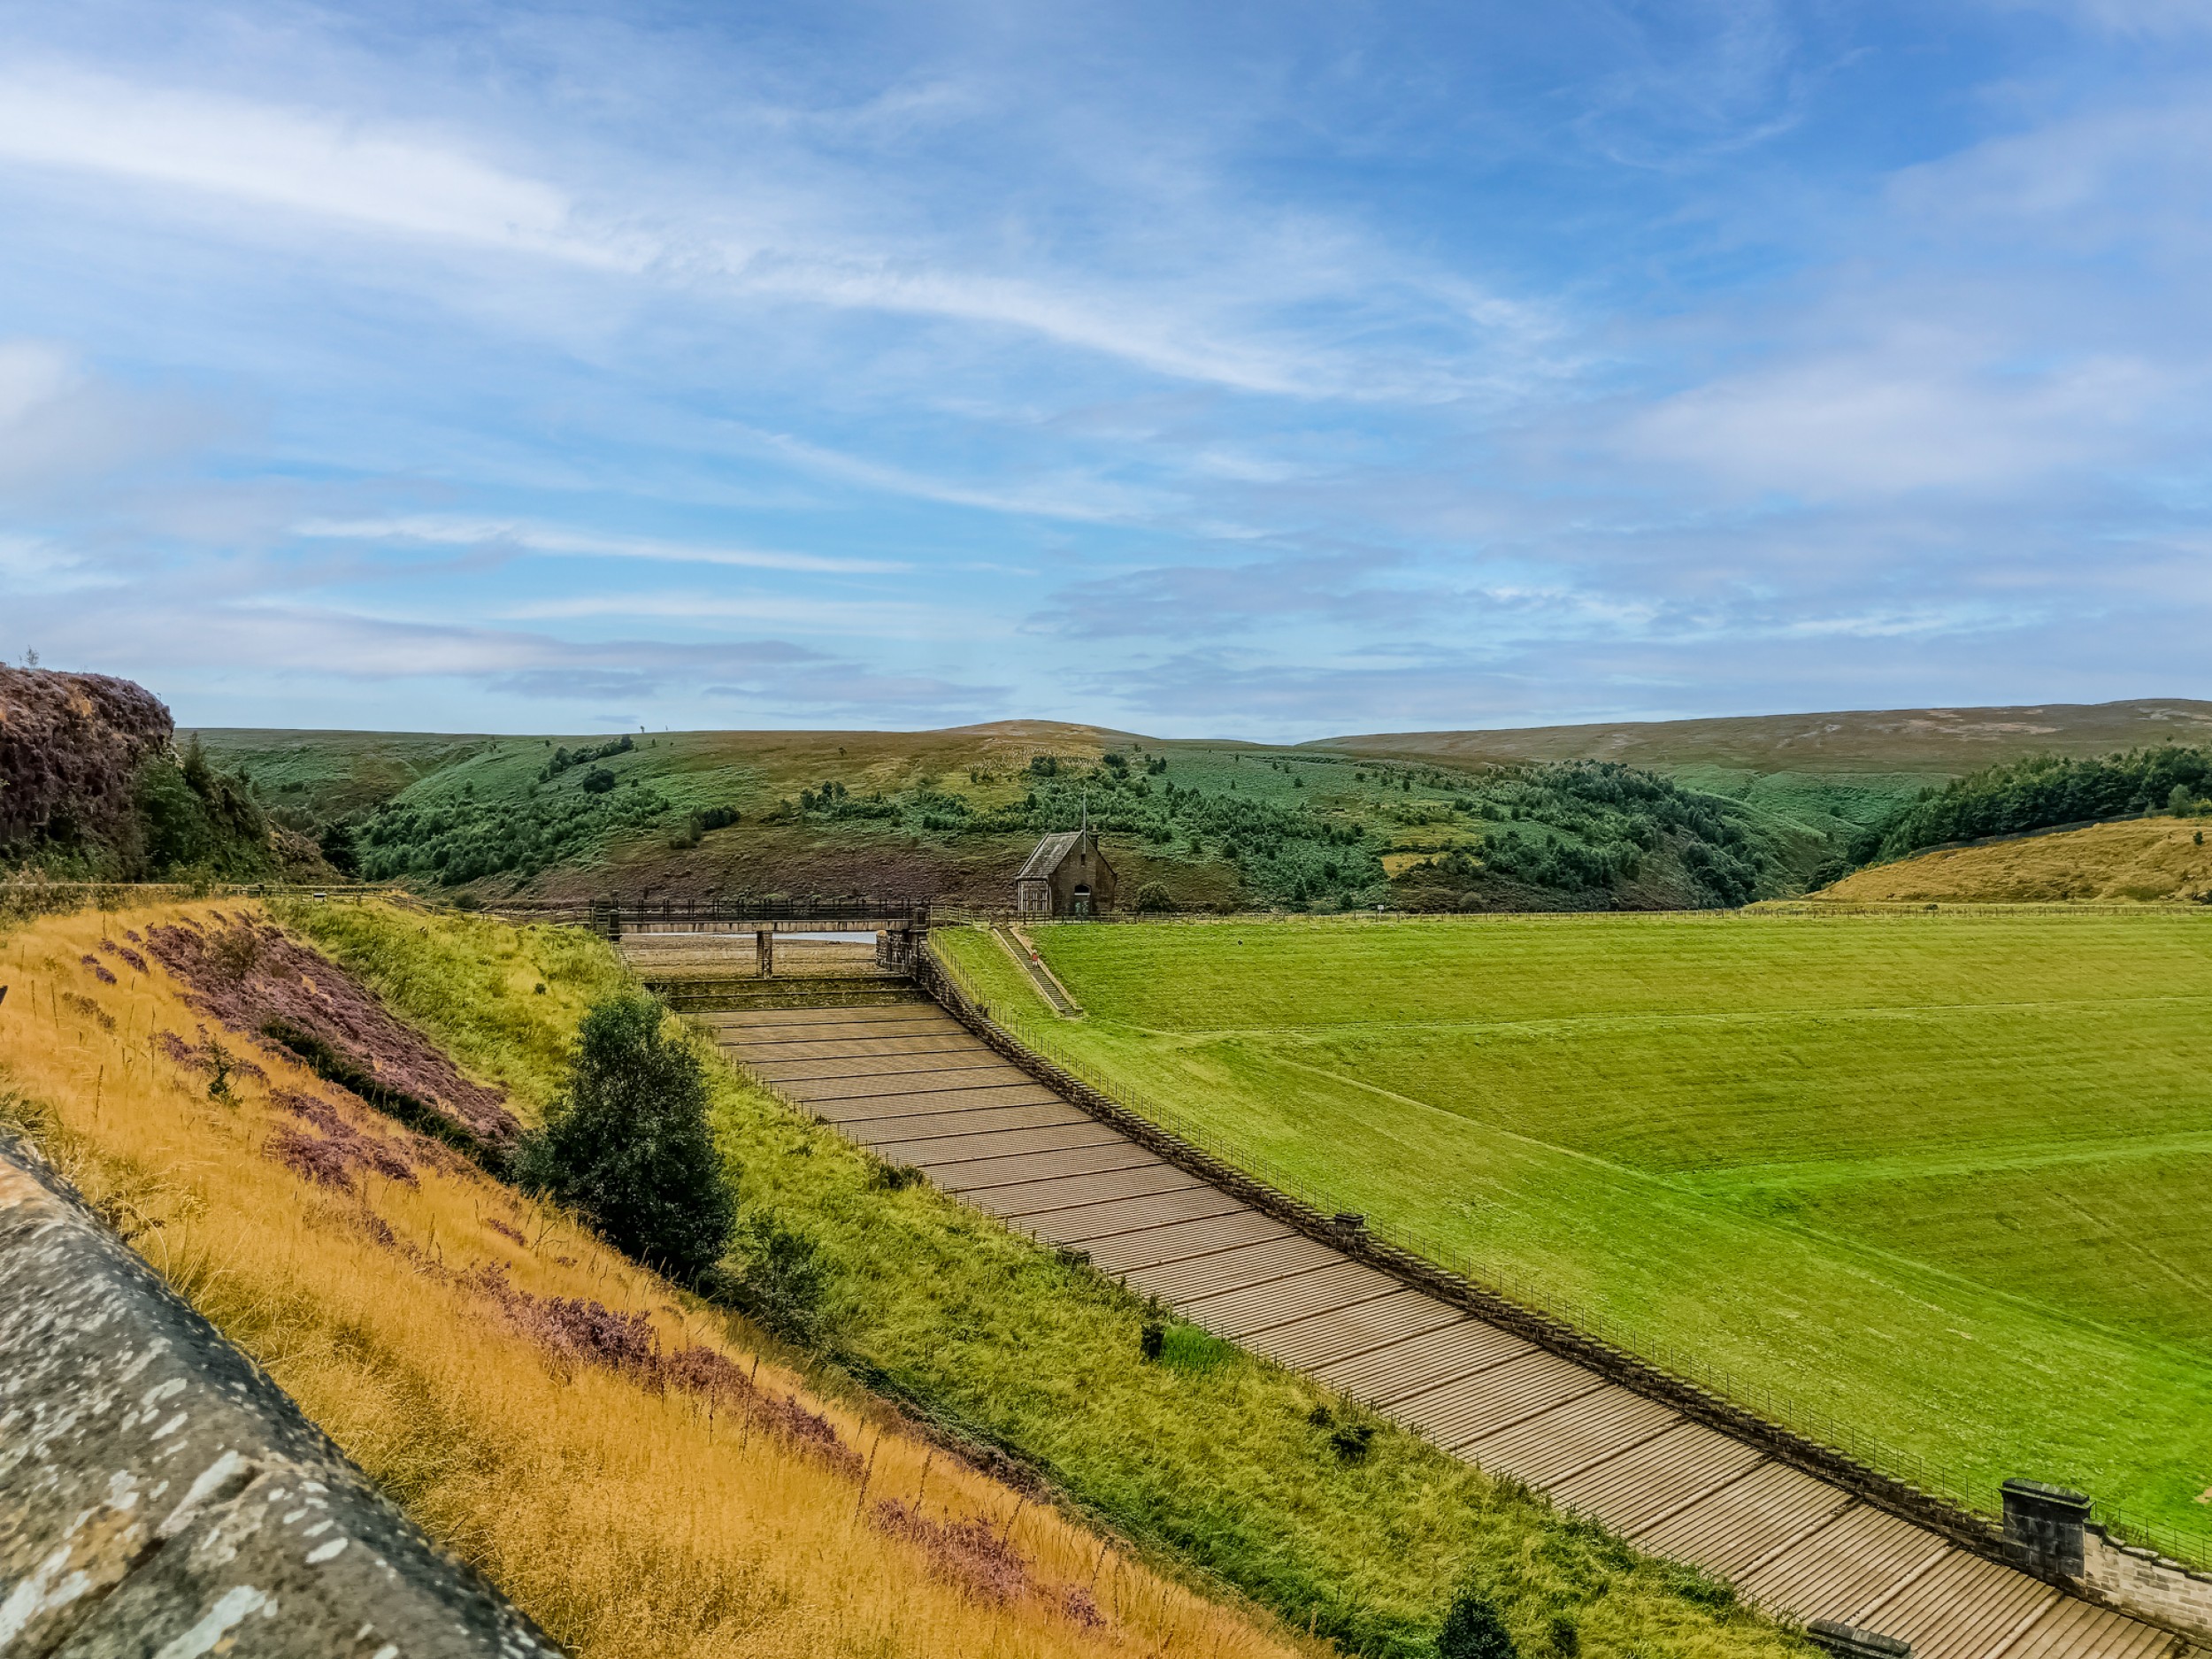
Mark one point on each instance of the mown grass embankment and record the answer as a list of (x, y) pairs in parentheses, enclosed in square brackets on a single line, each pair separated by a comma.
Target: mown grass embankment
[(624, 1460), (1942, 1178), (1213, 1459)]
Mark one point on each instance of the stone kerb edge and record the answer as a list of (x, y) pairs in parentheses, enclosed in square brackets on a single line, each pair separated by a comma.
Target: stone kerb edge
[(163, 1493)]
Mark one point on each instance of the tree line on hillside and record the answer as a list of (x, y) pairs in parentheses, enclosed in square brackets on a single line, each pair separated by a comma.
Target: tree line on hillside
[(2042, 791), (568, 814), (1581, 830), (1587, 830)]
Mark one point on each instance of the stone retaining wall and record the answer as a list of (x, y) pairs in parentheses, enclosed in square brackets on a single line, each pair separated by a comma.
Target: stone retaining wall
[(159, 1495), (2142, 1582)]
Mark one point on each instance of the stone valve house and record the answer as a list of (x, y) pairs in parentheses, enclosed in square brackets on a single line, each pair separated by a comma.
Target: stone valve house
[(1067, 875)]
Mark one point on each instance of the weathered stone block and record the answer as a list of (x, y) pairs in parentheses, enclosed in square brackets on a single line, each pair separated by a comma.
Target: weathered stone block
[(2045, 1524), (160, 1494), (1848, 1641)]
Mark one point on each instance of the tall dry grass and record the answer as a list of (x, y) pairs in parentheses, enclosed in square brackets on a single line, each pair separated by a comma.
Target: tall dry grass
[(628, 1519)]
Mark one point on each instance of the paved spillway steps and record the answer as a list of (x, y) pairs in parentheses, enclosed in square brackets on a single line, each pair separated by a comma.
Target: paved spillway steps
[(907, 1081)]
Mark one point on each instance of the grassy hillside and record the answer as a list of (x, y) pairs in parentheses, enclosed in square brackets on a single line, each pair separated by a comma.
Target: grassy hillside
[(1939, 1177), (646, 1477), (309, 778), (1531, 820), (2134, 860), (1921, 743), (954, 813), (1214, 1460), (1836, 773)]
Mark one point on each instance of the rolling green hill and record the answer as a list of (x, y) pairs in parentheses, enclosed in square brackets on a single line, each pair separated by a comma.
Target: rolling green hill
[(952, 813), (1836, 772), (1938, 1178), (1672, 815)]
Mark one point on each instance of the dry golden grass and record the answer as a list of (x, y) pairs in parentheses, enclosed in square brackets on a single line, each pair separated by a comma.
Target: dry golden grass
[(627, 1521), (2139, 859)]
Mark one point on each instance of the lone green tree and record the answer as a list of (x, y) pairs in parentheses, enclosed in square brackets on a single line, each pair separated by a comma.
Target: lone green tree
[(1472, 1630), (628, 1142)]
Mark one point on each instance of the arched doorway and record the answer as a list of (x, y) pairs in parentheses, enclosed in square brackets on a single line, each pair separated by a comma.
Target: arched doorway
[(1080, 900)]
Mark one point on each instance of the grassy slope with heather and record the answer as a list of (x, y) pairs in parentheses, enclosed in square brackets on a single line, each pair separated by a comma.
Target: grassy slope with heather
[(1938, 1177), (403, 1300)]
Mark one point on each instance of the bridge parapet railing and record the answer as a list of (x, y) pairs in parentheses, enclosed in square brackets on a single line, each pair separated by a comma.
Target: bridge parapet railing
[(613, 915)]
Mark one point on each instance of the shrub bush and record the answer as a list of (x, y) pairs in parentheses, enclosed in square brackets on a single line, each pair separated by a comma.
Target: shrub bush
[(628, 1142), (780, 1277), (1472, 1630), (1154, 897)]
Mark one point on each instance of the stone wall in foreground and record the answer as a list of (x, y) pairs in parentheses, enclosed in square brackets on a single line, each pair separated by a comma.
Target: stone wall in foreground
[(159, 1495)]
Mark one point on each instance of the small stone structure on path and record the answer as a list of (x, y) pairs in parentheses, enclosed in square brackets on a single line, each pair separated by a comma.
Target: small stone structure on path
[(1067, 875)]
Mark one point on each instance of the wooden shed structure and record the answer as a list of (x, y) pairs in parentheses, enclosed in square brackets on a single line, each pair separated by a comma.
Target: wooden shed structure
[(1066, 876)]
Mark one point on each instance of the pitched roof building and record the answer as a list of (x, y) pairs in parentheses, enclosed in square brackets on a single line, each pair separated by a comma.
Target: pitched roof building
[(1066, 876)]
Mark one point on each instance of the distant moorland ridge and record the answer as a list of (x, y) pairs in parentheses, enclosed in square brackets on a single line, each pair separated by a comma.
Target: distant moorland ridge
[(1610, 816), (1940, 742)]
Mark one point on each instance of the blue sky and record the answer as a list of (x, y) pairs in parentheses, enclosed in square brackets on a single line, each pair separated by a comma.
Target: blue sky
[(1275, 369)]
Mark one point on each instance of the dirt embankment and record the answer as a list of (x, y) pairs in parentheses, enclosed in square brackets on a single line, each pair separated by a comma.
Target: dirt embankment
[(71, 746)]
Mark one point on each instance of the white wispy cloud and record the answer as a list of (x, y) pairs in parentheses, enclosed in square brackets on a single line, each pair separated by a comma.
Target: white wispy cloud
[(318, 164), (61, 424), (820, 617), (1071, 495), (1913, 413), (556, 541), (1200, 319)]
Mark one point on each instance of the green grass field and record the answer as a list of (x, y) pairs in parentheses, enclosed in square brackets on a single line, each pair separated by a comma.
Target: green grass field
[(1946, 1179)]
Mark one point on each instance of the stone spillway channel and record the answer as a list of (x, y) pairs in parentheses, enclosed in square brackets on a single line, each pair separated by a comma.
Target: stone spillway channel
[(907, 1081)]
